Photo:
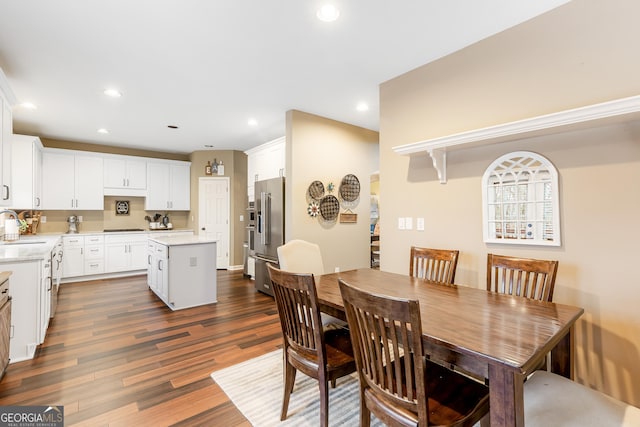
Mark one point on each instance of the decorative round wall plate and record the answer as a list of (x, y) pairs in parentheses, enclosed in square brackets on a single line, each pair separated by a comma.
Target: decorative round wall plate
[(313, 209), (329, 208), (349, 188), (316, 190)]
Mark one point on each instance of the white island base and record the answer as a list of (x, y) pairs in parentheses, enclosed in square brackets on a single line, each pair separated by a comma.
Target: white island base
[(182, 270)]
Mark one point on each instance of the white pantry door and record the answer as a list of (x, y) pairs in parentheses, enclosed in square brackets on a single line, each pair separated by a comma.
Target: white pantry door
[(213, 215)]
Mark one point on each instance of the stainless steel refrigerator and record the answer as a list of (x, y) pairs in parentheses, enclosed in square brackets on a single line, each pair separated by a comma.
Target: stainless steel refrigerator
[(269, 230)]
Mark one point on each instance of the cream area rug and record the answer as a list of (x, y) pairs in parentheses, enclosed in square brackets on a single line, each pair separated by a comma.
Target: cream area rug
[(256, 386)]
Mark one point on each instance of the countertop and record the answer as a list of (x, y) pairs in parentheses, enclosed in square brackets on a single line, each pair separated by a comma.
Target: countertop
[(28, 248), (182, 240), (39, 246)]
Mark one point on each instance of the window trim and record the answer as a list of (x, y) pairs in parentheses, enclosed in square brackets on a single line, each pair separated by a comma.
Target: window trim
[(554, 199)]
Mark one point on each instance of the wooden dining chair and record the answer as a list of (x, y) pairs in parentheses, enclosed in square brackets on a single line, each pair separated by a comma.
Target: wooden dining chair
[(321, 354), (397, 383), (436, 265), (524, 277), (300, 256)]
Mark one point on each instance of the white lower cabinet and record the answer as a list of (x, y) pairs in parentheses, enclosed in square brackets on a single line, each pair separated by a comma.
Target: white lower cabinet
[(182, 275), (73, 259), (157, 269), (125, 252), (30, 311)]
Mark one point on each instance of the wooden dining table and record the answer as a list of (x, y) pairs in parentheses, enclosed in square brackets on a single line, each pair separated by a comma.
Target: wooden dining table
[(498, 337)]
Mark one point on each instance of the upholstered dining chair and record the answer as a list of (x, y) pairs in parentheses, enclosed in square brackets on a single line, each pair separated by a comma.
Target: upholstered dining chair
[(397, 383), (436, 265), (321, 354), (300, 256), (524, 277)]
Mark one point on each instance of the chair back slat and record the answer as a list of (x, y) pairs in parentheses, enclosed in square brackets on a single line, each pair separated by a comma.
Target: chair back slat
[(436, 265), (386, 337), (296, 300), (525, 277)]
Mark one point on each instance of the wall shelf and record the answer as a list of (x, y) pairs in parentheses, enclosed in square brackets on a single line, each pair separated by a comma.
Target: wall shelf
[(616, 111)]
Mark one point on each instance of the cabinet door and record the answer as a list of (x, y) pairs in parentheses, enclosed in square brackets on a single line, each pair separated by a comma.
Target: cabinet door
[(151, 266), (138, 255), (116, 257), (45, 301), (114, 173), (5, 148), (58, 176), (73, 261), (37, 176), (157, 186), (180, 190), (89, 183), (136, 174), (163, 279), (5, 333)]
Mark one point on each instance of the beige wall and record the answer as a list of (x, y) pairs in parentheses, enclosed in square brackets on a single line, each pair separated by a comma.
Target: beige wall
[(326, 150), (578, 54), (235, 167)]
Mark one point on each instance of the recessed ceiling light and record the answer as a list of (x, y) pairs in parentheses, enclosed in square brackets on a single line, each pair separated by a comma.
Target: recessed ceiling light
[(362, 106), (103, 131), (113, 93), (29, 105), (328, 13), (252, 122)]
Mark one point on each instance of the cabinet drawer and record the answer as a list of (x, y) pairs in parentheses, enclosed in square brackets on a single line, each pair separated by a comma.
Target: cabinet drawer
[(93, 240), (95, 266), (161, 251), (92, 252), (73, 241)]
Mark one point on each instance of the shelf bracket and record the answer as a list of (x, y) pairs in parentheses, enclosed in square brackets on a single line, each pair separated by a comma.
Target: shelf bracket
[(439, 160)]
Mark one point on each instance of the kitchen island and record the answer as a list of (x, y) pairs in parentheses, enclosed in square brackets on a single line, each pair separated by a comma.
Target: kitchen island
[(30, 262), (181, 270)]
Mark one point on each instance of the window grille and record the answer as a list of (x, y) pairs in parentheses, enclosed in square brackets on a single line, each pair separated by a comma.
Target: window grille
[(520, 200)]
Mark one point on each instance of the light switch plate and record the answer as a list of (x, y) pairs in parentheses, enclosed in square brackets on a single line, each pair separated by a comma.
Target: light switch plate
[(420, 224), (400, 223), (408, 223)]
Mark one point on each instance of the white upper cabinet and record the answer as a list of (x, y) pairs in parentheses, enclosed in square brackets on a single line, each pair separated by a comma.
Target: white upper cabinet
[(7, 100), (26, 153), (125, 176), (264, 162), (168, 186), (72, 180)]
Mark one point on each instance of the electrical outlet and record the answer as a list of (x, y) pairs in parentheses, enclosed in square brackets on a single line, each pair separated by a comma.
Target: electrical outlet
[(79, 218), (241, 218), (43, 219)]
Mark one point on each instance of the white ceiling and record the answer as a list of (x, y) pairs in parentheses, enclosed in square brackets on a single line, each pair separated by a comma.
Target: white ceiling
[(208, 66)]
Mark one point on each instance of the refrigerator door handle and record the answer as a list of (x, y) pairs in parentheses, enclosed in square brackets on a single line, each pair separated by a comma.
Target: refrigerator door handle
[(267, 220), (264, 218)]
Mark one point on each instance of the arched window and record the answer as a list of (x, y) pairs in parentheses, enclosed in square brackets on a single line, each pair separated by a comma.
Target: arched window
[(520, 200)]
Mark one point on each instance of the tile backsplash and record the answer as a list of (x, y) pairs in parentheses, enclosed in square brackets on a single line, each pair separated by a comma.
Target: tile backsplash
[(107, 219)]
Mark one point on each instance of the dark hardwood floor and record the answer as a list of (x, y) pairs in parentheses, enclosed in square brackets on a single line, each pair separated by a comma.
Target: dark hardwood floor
[(115, 355)]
